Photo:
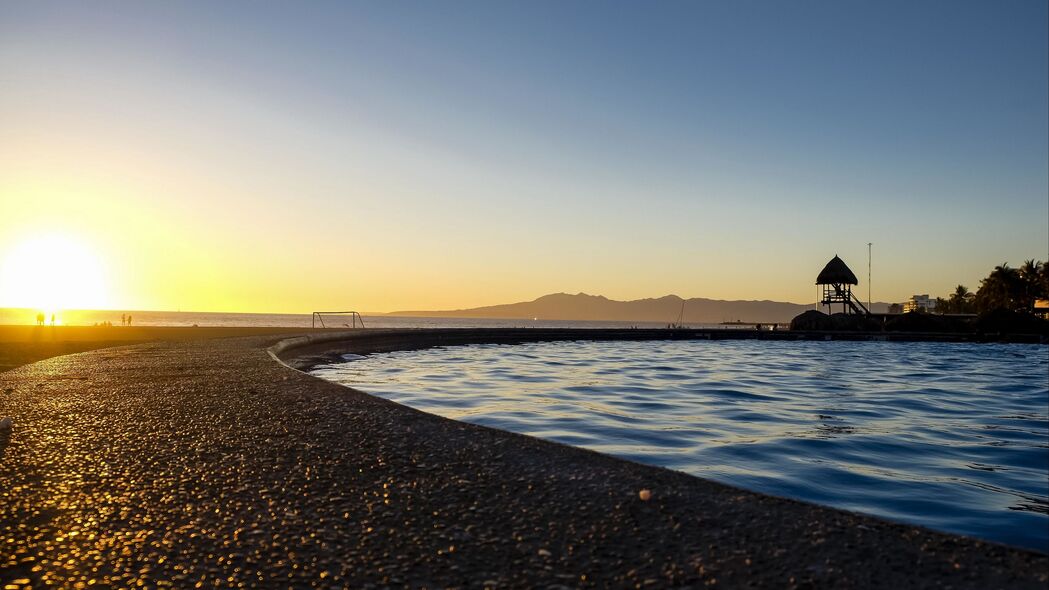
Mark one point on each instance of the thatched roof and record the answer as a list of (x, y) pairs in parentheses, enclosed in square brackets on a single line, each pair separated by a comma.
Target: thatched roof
[(836, 272)]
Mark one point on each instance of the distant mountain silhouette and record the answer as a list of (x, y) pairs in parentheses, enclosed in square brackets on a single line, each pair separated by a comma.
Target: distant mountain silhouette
[(563, 306)]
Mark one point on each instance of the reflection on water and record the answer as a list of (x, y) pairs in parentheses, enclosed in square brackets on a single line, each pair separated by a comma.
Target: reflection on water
[(950, 436)]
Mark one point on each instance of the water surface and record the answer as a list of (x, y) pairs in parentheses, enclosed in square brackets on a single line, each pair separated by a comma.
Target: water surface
[(950, 436), (87, 317)]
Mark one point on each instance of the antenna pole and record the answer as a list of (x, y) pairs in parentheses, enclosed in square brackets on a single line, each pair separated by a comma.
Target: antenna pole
[(869, 306)]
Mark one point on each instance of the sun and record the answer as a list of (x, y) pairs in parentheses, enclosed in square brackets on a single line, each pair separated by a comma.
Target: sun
[(52, 272)]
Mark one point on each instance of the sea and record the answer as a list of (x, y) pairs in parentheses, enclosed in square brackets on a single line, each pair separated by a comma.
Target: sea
[(15, 316), (951, 436)]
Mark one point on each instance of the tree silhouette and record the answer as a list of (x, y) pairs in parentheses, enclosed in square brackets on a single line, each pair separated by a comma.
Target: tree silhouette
[(1033, 283), (1009, 288), (1002, 288), (942, 306), (961, 301), (1043, 280), (1028, 272)]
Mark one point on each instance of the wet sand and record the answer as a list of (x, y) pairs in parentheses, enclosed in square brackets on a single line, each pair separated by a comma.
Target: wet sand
[(208, 461)]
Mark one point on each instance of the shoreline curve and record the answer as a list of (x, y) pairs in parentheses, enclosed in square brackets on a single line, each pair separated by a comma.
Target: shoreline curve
[(205, 461)]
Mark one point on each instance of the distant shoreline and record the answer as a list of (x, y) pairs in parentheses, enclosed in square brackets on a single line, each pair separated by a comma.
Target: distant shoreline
[(555, 307)]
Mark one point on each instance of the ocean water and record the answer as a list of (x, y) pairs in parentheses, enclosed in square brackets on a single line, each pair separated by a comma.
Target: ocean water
[(10, 316), (954, 437)]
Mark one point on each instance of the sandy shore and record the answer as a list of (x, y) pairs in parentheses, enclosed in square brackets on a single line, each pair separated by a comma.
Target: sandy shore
[(208, 461), (20, 345)]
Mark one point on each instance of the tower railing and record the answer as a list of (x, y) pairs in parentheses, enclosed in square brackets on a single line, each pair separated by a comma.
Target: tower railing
[(842, 293)]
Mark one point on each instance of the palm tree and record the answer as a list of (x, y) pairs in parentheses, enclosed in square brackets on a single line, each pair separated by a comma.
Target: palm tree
[(1002, 288), (961, 301), (1043, 280), (942, 306), (1035, 275), (1030, 279)]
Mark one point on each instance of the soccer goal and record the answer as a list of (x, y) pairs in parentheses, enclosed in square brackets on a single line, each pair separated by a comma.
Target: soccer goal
[(349, 319)]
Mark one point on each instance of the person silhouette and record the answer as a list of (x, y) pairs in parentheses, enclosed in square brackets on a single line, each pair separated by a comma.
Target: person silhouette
[(129, 319), (40, 319), (52, 319), (123, 319)]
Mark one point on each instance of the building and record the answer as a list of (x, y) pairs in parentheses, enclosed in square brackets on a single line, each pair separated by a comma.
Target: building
[(1041, 308), (919, 303)]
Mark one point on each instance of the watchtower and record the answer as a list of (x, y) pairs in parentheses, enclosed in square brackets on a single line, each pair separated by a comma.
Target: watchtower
[(837, 280)]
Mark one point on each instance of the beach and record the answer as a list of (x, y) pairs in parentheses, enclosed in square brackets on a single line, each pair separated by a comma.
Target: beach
[(22, 344), (508, 295), (207, 461)]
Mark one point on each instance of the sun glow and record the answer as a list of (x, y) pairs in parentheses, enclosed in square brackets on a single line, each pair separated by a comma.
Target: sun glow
[(53, 272)]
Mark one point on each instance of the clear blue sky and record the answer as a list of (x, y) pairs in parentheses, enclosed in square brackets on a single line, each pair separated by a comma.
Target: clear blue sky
[(473, 153)]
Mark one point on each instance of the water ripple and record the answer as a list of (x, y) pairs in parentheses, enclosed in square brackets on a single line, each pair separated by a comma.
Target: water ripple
[(950, 436)]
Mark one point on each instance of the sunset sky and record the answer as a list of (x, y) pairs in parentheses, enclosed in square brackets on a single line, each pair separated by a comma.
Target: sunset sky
[(265, 156)]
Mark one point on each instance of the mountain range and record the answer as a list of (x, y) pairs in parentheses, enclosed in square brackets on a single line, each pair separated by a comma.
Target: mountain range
[(564, 306)]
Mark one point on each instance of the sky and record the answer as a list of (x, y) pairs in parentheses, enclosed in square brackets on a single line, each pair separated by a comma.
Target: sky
[(290, 157)]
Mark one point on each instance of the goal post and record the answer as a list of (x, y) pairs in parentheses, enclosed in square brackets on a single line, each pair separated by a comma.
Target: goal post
[(349, 319)]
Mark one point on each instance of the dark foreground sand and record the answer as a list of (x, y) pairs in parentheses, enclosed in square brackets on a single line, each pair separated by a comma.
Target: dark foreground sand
[(177, 463)]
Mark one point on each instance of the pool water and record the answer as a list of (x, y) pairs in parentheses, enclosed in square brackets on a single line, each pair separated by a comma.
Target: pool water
[(953, 436)]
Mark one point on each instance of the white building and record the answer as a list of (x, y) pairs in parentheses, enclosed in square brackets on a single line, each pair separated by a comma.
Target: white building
[(919, 303)]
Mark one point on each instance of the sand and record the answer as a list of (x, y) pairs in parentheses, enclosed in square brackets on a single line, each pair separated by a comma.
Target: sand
[(20, 345), (207, 461)]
